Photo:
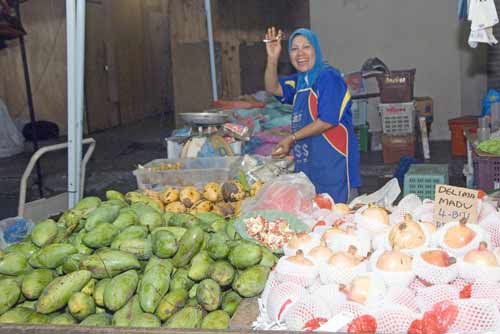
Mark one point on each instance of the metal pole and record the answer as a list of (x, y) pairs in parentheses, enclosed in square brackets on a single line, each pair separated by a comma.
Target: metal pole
[(80, 75), (29, 96), (213, 75), (72, 104)]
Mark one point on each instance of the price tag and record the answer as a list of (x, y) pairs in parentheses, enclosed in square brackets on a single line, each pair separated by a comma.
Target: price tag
[(454, 203)]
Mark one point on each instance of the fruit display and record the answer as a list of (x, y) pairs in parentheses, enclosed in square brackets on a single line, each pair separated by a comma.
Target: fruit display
[(132, 260)]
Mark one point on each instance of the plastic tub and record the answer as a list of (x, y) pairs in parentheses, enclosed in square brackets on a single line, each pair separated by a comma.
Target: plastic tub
[(193, 172), (457, 126)]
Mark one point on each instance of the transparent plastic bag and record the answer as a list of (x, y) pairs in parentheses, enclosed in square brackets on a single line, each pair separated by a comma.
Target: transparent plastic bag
[(11, 139), (293, 193)]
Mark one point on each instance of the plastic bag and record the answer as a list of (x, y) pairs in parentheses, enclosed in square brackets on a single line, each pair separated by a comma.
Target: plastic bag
[(11, 140), (385, 196), (493, 96), (293, 193), (14, 230)]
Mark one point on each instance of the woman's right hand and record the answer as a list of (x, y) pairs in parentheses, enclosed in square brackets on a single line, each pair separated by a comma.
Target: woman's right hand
[(273, 47)]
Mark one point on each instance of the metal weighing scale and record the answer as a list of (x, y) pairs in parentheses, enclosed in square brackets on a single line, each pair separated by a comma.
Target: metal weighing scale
[(208, 120)]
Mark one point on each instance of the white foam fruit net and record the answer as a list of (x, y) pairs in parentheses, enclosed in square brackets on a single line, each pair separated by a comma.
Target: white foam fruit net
[(478, 273), (481, 235), (407, 205), (329, 293), (342, 242), (486, 290), (281, 298), (272, 281), (476, 316), (304, 310), (402, 296), (390, 278), (306, 247), (434, 274), (427, 297), (353, 308), (490, 224), (394, 319), (331, 274), (287, 271)]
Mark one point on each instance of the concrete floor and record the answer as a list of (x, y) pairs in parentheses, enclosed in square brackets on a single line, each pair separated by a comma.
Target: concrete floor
[(119, 150)]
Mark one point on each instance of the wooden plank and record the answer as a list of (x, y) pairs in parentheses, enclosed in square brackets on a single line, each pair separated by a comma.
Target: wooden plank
[(99, 108), (44, 21)]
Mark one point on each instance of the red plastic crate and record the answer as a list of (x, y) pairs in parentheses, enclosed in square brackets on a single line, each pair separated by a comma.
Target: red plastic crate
[(457, 125), (396, 147), (486, 171)]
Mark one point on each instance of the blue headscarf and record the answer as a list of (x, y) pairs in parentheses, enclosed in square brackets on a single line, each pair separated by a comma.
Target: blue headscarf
[(313, 73)]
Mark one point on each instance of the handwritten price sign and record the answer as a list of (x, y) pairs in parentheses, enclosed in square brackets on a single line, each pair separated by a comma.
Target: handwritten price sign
[(454, 203)]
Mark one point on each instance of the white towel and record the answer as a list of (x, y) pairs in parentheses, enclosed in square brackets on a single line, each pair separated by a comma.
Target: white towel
[(483, 16)]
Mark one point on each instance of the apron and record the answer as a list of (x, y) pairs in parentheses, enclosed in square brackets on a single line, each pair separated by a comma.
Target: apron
[(323, 158)]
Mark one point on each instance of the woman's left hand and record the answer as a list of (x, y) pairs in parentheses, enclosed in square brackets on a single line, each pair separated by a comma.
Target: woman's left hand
[(281, 150)]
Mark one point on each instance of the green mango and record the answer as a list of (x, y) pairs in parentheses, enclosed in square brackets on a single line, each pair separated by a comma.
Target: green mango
[(9, 294), (131, 232), (81, 305), (192, 291), (245, 255), (72, 263), (107, 263), (231, 230), (218, 247), (101, 236), (216, 320), (38, 318), (89, 288), (63, 319), (88, 203), (59, 291), (104, 214), (120, 290), (189, 246), (252, 281), (181, 280), (70, 220), (193, 301), (209, 220), (141, 248), (126, 218), (268, 258), (123, 317), (27, 248), (100, 287), (52, 256), (230, 302), (115, 195), (115, 202), (13, 264), (77, 241), (154, 284), (150, 219), (146, 320), (222, 272), (99, 319), (171, 303), (209, 294), (188, 317), (166, 218), (35, 282), (31, 304), (44, 232), (200, 266), (164, 244), (18, 315), (178, 232)]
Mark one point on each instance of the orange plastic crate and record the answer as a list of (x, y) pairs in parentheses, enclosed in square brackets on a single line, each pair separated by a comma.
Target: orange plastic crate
[(396, 147), (457, 126)]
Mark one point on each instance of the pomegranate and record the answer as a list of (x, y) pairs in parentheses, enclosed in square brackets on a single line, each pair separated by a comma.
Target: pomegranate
[(481, 256), (376, 214), (363, 288), (347, 259), (407, 234), (300, 240), (438, 258), (321, 253), (335, 230), (394, 261), (300, 259), (324, 201), (341, 208), (458, 236)]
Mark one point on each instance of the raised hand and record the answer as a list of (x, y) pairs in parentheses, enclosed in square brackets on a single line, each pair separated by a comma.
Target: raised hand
[(273, 43)]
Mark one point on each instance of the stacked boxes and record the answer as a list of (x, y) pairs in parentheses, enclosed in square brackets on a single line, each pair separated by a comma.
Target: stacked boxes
[(359, 110), (397, 112)]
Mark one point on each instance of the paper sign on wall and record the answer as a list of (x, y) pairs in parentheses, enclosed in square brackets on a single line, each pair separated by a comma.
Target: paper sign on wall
[(454, 203)]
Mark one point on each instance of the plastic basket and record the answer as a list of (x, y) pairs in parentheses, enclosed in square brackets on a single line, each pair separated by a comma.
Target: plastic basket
[(396, 86), (359, 112), (397, 118), (396, 147), (486, 171), (421, 179), (193, 172), (362, 135), (457, 126)]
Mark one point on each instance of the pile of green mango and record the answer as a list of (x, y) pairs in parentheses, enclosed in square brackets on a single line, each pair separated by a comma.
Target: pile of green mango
[(121, 262)]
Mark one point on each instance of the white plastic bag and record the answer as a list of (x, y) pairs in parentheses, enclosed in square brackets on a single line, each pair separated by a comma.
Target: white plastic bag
[(11, 140)]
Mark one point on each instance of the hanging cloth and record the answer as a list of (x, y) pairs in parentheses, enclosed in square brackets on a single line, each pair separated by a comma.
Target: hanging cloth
[(483, 16)]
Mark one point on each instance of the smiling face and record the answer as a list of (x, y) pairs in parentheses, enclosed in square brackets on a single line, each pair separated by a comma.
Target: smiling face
[(302, 54)]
